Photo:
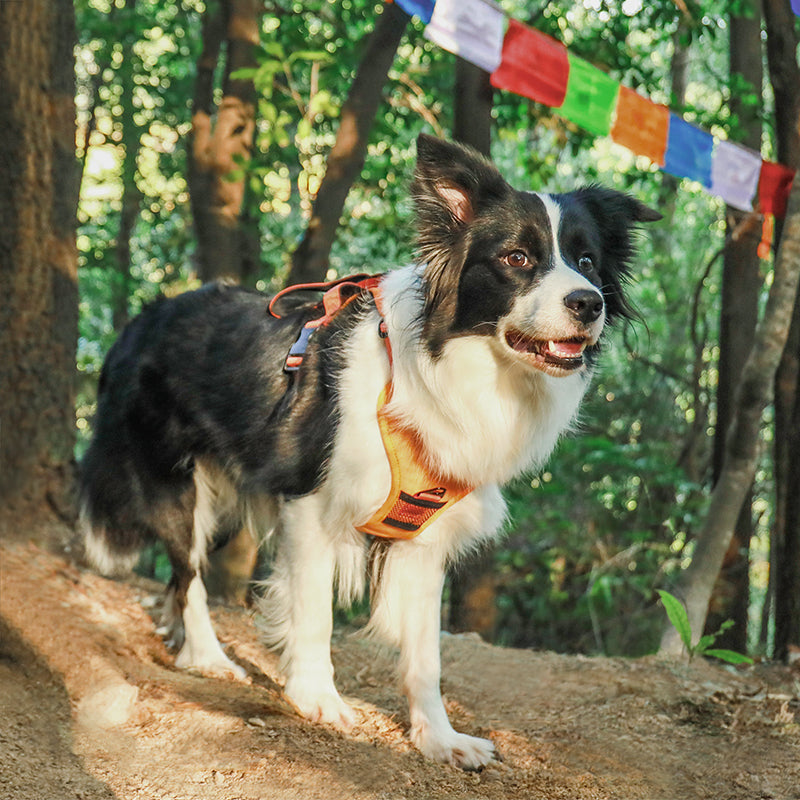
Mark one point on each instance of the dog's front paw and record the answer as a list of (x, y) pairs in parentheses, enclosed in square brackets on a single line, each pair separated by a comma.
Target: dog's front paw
[(324, 706), (458, 749), (213, 663)]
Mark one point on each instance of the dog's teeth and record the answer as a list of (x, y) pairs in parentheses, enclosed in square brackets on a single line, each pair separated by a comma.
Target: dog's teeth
[(565, 349)]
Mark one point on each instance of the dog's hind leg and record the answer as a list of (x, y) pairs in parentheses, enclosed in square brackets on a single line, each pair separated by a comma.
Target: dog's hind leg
[(298, 606), (200, 649), (408, 578)]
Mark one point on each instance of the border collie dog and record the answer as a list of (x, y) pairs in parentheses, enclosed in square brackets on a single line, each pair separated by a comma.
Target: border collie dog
[(201, 429)]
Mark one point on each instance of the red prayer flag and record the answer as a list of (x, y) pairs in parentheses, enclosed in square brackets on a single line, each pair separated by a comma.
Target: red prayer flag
[(774, 184), (641, 125), (533, 65)]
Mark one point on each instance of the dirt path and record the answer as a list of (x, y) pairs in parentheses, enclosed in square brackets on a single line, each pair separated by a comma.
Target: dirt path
[(91, 707)]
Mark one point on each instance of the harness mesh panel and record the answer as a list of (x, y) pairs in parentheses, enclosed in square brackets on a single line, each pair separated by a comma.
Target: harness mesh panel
[(410, 513)]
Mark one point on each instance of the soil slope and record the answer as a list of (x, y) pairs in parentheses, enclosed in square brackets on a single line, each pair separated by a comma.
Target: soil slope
[(92, 707)]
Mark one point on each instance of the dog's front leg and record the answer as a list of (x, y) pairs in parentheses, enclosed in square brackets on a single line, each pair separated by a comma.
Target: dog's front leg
[(303, 585), (409, 602)]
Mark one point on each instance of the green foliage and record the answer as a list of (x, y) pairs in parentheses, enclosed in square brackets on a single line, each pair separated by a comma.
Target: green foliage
[(703, 647), (593, 534)]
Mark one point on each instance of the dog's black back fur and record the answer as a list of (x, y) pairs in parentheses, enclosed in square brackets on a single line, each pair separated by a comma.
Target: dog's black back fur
[(201, 376)]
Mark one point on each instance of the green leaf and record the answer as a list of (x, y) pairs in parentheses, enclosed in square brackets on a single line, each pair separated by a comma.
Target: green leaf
[(310, 55), (678, 617), (303, 129), (273, 50), (731, 656), (705, 642), (244, 74)]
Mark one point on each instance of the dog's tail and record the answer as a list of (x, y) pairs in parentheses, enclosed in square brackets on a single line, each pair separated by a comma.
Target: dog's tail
[(102, 547), (113, 532)]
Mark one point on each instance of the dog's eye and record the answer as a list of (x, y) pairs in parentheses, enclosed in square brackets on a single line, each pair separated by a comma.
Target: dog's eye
[(517, 259), (585, 263)]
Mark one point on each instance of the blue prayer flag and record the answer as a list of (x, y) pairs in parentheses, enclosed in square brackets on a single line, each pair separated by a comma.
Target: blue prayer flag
[(689, 151), (418, 8)]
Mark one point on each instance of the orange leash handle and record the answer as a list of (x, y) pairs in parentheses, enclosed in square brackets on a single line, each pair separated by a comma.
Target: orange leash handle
[(361, 280)]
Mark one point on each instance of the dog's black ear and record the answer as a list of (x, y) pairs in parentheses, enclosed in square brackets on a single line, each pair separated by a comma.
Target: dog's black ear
[(452, 182), (452, 185), (616, 215)]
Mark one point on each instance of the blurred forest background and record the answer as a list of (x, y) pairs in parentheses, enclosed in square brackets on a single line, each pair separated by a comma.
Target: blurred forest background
[(203, 135)]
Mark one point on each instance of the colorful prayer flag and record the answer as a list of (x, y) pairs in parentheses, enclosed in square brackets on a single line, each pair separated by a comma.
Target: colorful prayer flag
[(417, 8), (533, 65), (774, 184), (591, 97), (641, 125), (688, 151), (472, 29), (734, 174)]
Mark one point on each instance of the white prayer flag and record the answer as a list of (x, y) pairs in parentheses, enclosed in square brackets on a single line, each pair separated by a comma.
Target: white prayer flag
[(734, 174), (472, 29)]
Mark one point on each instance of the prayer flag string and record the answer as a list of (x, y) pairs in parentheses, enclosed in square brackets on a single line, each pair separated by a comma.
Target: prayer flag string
[(527, 62)]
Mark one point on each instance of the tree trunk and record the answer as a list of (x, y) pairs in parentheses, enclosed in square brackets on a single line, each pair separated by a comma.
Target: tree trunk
[(310, 259), (473, 584), (131, 196), (221, 146), (786, 530), (741, 448), (785, 557), (472, 107), (227, 239), (741, 284), (38, 264)]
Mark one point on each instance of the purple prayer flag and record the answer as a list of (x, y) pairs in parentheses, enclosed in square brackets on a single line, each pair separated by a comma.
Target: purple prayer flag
[(796, 7), (689, 151)]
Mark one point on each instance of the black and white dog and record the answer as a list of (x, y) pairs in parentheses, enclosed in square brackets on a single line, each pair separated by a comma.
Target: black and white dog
[(200, 429)]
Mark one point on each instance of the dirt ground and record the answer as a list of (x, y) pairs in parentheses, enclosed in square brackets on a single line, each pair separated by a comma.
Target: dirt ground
[(92, 707)]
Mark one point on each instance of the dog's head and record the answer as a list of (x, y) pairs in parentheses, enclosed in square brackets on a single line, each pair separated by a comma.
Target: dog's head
[(542, 274)]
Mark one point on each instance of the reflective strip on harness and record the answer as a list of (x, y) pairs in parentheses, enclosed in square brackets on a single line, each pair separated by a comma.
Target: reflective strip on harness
[(417, 497)]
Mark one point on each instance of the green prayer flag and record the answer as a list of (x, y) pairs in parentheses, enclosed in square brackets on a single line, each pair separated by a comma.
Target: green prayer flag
[(591, 97)]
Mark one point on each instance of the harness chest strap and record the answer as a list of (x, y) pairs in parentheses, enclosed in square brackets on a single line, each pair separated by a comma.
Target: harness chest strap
[(417, 497)]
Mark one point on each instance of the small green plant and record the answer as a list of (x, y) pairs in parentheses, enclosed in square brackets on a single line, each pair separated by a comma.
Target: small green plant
[(680, 620)]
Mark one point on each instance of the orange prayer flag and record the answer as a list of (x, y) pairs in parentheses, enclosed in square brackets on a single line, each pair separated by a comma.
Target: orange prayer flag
[(641, 125), (767, 234)]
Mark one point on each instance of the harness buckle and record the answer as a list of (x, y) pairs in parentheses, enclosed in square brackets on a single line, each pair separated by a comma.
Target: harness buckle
[(296, 352)]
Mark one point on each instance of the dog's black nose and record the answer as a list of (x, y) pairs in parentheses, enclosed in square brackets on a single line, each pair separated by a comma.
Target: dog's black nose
[(585, 304)]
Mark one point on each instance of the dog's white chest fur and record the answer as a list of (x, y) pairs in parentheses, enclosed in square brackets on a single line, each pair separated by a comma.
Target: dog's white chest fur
[(483, 419)]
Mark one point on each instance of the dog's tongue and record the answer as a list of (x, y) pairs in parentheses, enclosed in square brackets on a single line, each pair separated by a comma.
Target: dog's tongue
[(565, 349)]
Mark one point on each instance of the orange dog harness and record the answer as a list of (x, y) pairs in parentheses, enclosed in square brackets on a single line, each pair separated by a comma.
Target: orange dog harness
[(417, 496)]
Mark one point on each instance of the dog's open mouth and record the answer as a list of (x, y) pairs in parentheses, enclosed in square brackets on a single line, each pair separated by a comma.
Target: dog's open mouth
[(557, 354)]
